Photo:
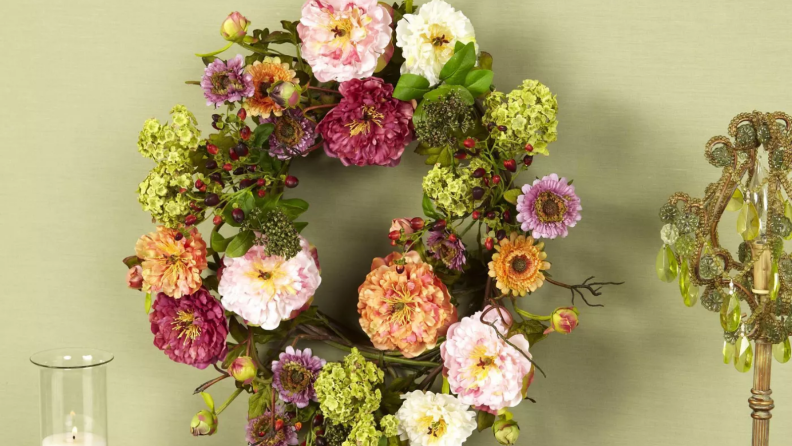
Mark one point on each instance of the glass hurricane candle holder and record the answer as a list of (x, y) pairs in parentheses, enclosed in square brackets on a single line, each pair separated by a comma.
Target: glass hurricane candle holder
[(73, 396)]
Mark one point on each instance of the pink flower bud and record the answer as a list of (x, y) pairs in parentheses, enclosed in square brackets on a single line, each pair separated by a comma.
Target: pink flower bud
[(563, 320), (285, 94), (243, 369), (203, 423), (234, 27), (135, 277), (402, 223)]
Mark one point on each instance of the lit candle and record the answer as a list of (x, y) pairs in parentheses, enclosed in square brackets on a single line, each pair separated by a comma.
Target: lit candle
[(74, 438)]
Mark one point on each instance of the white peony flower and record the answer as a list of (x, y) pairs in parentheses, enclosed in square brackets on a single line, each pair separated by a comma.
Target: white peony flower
[(669, 234), (430, 419), (427, 39)]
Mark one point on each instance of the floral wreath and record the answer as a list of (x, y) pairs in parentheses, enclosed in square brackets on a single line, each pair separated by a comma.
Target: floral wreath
[(366, 80)]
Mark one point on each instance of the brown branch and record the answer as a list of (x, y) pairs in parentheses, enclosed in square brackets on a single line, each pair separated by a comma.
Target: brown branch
[(210, 383), (429, 380), (592, 287)]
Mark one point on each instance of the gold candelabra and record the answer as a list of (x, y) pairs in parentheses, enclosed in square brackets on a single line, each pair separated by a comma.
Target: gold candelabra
[(756, 160)]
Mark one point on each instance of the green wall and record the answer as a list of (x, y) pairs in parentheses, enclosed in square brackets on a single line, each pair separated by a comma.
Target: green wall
[(642, 85)]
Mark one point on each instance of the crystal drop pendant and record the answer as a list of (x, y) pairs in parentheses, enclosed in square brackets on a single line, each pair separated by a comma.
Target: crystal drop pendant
[(782, 352), (728, 352), (758, 195), (684, 278), (775, 282), (666, 264), (748, 222), (692, 295), (743, 354), (730, 312), (788, 214), (736, 201)]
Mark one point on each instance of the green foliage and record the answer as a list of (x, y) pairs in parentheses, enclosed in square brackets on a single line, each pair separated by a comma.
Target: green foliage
[(533, 330), (261, 135), (458, 66), (411, 86), (240, 244), (484, 420), (511, 195), (478, 82), (259, 402)]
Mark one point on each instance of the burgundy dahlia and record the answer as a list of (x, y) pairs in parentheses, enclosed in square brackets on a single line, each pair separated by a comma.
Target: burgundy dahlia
[(191, 330), (294, 374), (261, 432), (450, 250), (369, 126)]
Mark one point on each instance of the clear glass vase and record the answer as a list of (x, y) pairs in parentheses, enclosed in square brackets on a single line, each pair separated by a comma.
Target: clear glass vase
[(73, 396)]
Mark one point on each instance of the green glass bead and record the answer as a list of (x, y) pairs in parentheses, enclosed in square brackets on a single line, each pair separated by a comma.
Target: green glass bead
[(668, 213), (746, 136), (685, 245), (666, 264), (763, 134), (780, 225), (785, 269), (743, 354), (686, 222), (721, 157), (712, 299), (782, 352), (709, 267), (730, 312), (777, 159)]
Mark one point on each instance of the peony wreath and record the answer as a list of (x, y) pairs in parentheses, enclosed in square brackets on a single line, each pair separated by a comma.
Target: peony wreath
[(366, 80)]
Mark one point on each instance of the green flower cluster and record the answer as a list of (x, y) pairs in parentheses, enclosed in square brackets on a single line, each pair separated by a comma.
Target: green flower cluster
[(453, 191), (277, 233), (444, 121), (528, 114), (347, 396), (170, 146), (389, 425)]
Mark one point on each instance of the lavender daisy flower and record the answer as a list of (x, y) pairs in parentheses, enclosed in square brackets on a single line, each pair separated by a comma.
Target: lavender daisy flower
[(294, 375), (548, 207), (226, 81), (449, 249), (260, 431), (293, 135)]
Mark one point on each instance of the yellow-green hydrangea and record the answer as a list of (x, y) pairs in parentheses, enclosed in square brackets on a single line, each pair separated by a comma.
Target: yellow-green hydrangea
[(364, 432), (159, 193), (170, 142), (389, 425), (346, 392), (450, 192), (529, 115)]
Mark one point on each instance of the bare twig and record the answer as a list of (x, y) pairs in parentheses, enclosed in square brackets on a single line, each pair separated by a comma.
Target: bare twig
[(592, 287)]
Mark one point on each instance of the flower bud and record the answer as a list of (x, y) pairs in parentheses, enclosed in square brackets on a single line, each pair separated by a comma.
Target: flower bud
[(203, 423), (397, 224), (506, 430), (285, 94), (243, 369), (135, 277), (234, 27), (563, 320)]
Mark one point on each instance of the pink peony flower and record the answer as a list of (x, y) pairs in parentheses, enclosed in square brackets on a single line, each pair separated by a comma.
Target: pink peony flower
[(343, 39), (169, 265), (404, 307), (135, 277), (483, 370), (264, 289), (397, 224), (548, 207), (369, 126), (191, 330)]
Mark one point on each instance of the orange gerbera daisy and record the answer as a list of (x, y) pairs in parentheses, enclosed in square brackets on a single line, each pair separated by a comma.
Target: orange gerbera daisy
[(172, 262), (518, 265), (265, 74)]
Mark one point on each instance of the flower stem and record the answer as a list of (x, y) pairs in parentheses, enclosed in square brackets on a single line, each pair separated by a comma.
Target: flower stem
[(192, 82), (408, 6), (384, 358), (213, 53), (317, 107), (535, 317), (325, 90), (228, 401)]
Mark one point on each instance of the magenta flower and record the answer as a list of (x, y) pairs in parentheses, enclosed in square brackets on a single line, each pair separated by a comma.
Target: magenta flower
[(191, 330), (260, 431), (293, 135), (548, 207), (369, 126), (294, 374), (449, 249), (226, 81)]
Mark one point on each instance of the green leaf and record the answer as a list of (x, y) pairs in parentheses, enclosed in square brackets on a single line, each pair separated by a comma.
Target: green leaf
[(458, 47), (485, 60), (428, 208), (259, 402), (423, 149), (208, 400), (300, 225), (432, 159), (484, 420), (131, 261), (533, 330), (237, 330), (511, 195), (246, 201), (446, 389), (233, 353), (261, 134), (211, 282), (218, 242), (240, 244), (478, 82), (148, 303), (293, 207), (443, 90), (458, 66), (446, 157), (411, 86), (279, 37)]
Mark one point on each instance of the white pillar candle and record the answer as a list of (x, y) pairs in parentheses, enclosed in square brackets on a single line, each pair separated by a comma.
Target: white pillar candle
[(74, 439)]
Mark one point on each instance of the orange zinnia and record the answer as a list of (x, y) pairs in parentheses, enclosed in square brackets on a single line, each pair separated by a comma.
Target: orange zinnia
[(172, 265), (518, 265), (265, 74)]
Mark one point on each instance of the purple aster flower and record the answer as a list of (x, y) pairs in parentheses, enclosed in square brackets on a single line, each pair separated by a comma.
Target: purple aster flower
[(261, 432), (548, 207), (226, 81), (293, 135), (294, 374), (191, 330), (449, 249)]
